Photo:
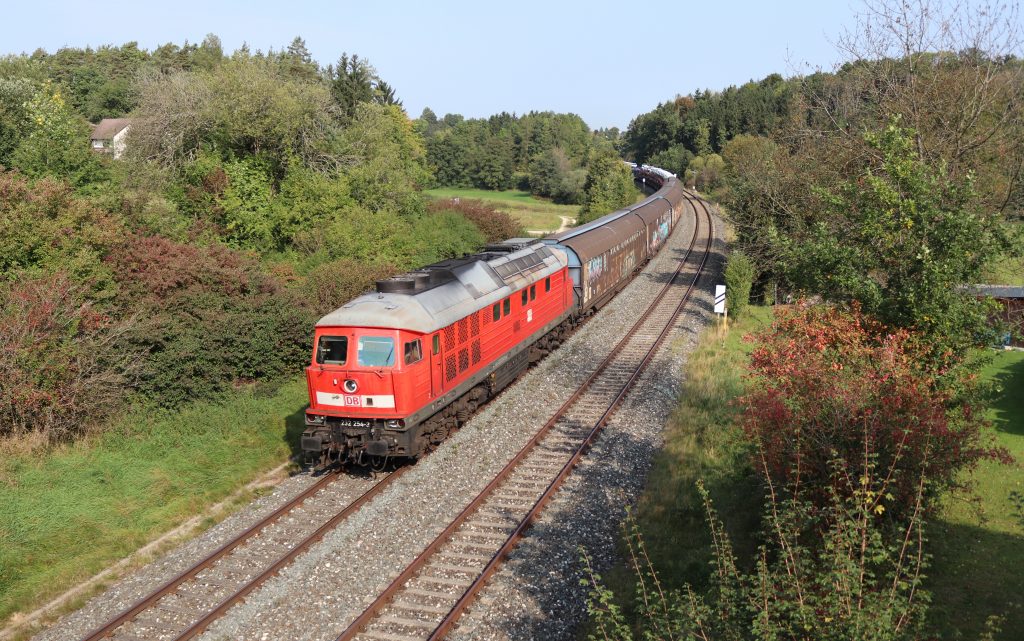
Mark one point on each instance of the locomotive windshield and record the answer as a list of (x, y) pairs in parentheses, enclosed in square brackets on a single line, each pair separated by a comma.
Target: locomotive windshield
[(332, 350), (376, 351)]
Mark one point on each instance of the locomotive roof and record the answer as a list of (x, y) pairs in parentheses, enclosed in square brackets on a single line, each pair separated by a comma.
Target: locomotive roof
[(458, 287)]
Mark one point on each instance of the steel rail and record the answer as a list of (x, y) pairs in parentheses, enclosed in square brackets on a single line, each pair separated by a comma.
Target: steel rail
[(513, 539), (171, 586), (198, 627), (382, 601)]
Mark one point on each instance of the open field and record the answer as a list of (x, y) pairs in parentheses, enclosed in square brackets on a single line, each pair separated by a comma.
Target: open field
[(67, 514), (534, 213)]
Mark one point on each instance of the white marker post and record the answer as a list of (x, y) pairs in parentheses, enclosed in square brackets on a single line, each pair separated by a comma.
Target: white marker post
[(720, 302)]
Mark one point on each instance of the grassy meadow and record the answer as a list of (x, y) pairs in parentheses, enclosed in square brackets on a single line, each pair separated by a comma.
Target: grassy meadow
[(978, 547), (535, 214), (68, 513)]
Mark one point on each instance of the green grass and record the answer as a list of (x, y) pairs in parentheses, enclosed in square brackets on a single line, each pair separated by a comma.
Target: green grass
[(1009, 271), (979, 555), (702, 442), (533, 213), (71, 512)]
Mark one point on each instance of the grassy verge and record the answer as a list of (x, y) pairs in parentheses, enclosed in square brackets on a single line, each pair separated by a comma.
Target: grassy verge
[(69, 513), (532, 212), (701, 442), (978, 548)]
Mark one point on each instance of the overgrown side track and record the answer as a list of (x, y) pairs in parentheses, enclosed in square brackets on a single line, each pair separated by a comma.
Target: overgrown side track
[(184, 606), (430, 595)]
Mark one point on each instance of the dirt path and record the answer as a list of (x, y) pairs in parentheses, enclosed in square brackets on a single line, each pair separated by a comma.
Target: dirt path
[(567, 222)]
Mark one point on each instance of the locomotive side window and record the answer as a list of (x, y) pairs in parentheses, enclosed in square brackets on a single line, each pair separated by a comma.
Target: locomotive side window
[(376, 351), (533, 292), (437, 343), (547, 284), (332, 350), (507, 306), (524, 296), (497, 311), (413, 352)]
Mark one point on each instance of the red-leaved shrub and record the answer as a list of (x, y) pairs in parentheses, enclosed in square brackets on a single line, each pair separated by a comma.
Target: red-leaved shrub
[(832, 386), (493, 224), (64, 367)]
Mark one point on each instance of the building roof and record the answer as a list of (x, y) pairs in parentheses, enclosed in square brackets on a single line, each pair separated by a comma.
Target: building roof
[(109, 127), (998, 291)]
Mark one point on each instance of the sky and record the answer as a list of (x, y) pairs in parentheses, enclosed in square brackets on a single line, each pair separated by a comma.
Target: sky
[(606, 61)]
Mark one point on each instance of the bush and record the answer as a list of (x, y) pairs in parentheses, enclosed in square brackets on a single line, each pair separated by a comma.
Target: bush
[(335, 283), (211, 318), (739, 277), (64, 366), (830, 385), (493, 224), (44, 225), (831, 573)]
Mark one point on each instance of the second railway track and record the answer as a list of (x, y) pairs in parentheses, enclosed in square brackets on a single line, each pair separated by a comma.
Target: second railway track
[(427, 599)]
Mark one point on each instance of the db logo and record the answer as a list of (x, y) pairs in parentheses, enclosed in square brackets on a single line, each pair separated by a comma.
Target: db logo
[(353, 401)]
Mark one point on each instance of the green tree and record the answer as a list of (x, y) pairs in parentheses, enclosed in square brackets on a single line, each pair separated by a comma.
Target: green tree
[(609, 186), (901, 239), (351, 83), (57, 142)]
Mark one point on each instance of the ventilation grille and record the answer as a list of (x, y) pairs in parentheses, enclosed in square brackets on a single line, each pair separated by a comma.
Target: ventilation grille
[(449, 338), (449, 367), (463, 360), (474, 325), (463, 331), (476, 352)]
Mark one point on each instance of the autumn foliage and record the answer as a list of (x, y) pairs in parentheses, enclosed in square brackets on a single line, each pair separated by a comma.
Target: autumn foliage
[(831, 386), (493, 224), (64, 366)]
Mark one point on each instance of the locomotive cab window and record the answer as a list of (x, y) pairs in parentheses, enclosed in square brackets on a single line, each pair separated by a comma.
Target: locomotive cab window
[(437, 343), (332, 350), (507, 306), (533, 292), (524, 296), (497, 311), (413, 352), (376, 351), (547, 284)]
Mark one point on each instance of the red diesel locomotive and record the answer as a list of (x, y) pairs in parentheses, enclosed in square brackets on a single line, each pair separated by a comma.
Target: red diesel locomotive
[(395, 370)]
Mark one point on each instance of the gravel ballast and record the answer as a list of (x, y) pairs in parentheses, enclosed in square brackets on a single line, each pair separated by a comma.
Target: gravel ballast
[(537, 594)]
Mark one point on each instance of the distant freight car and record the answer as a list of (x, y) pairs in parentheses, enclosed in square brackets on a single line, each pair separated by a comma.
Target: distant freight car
[(395, 370)]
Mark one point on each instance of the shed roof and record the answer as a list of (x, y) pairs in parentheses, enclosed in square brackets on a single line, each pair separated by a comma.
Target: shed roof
[(109, 127), (998, 291)]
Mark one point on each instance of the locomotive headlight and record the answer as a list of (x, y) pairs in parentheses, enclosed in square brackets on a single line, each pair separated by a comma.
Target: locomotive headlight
[(315, 419), (350, 386), (395, 424)]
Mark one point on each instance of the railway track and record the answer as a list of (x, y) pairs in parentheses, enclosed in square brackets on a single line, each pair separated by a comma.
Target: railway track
[(464, 554), (427, 599), (185, 606)]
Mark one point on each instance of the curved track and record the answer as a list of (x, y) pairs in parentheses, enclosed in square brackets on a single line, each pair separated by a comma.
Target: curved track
[(426, 600), (462, 558)]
